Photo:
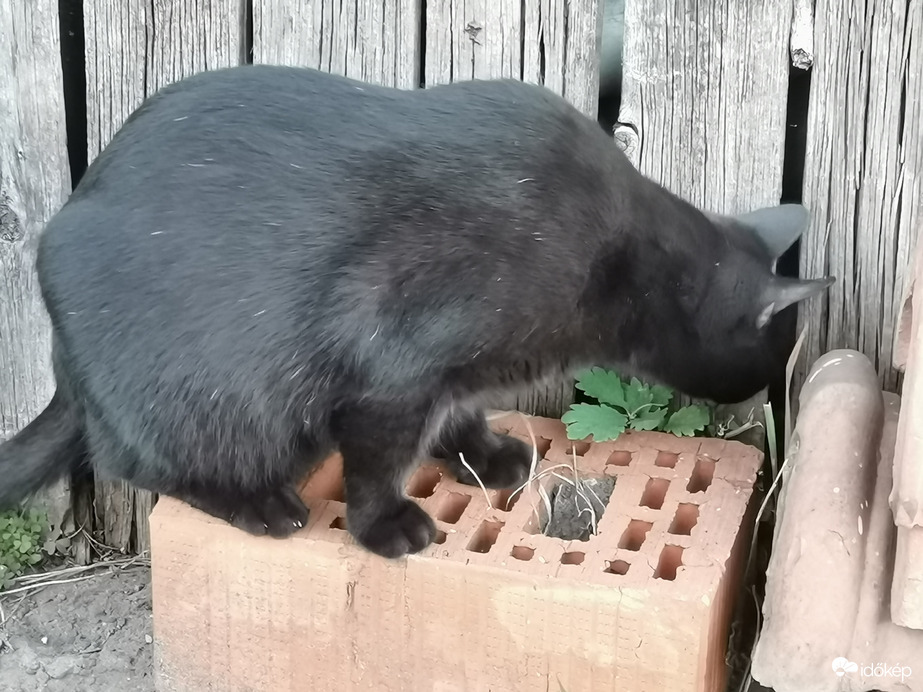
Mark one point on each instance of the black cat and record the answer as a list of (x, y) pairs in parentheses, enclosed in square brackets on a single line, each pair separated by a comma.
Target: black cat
[(269, 263)]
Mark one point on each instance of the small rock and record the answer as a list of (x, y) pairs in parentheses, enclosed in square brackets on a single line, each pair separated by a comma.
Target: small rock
[(570, 519), (44, 640), (61, 666), (149, 639), (28, 660)]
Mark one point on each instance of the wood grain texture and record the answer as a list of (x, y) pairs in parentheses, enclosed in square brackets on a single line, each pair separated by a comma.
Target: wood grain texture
[(549, 42), (704, 104), (34, 183), (561, 47), (376, 42), (863, 174), (133, 48), (473, 39)]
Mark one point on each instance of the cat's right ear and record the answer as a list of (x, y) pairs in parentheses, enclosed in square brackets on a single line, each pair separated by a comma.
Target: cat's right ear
[(782, 291), (777, 227)]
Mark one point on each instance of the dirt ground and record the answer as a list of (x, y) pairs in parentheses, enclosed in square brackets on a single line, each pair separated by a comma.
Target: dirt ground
[(92, 635)]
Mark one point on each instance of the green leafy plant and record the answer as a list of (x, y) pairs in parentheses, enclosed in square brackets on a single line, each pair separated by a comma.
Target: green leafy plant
[(627, 405), (20, 542)]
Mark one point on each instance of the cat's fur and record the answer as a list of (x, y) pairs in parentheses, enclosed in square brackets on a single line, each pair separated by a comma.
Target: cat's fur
[(268, 263)]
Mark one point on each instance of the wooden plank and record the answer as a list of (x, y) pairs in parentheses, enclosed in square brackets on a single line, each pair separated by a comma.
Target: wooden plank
[(473, 39), (863, 174), (376, 42), (34, 183), (550, 42), (133, 48), (561, 47), (703, 108)]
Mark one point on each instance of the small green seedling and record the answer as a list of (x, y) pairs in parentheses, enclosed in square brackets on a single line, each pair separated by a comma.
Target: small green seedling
[(20, 542), (629, 405)]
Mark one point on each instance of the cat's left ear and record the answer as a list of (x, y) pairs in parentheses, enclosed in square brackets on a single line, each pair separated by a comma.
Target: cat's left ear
[(778, 227), (783, 291)]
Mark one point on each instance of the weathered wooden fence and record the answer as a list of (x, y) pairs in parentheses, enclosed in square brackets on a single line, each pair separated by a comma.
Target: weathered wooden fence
[(709, 107)]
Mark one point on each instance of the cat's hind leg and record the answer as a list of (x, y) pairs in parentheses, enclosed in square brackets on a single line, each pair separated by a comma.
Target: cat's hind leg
[(270, 508), (500, 461), (276, 511)]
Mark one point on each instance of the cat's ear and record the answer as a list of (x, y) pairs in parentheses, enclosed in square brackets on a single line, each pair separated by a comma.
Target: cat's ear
[(778, 227), (783, 291)]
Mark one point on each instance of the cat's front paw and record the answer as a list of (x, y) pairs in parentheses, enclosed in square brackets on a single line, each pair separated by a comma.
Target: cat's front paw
[(405, 529), (506, 465)]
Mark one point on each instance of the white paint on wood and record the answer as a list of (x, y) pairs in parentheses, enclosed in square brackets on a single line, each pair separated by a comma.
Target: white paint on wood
[(133, 48), (34, 183), (376, 42), (863, 174)]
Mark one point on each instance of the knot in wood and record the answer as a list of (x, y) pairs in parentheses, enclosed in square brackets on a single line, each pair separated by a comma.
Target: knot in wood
[(10, 226), (626, 138)]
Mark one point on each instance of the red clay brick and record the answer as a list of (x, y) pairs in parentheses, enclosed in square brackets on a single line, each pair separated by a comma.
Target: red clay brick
[(495, 605)]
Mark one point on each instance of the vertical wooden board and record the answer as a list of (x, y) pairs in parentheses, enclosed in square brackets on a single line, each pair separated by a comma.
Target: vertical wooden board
[(473, 39), (34, 183), (705, 90), (561, 46), (133, 48), (863, 174), (550, 42), (703, 110), (376, 42)]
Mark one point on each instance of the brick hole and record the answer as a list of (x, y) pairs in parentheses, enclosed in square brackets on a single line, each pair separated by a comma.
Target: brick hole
[(502, 501), (424, 481), (542, 445), (619, 458), (325, 485), (654, 492), (521, 552), (573, 558), (686, 517), (485, 537), (671, 559), (339, 523), (580, 448), (452, 507), (666, 460), (570, 518), (440, 537), (616, 567), (634, 535), (702, 475)]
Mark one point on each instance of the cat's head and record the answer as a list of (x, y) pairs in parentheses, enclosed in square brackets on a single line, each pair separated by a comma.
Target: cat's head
[(729, 340)]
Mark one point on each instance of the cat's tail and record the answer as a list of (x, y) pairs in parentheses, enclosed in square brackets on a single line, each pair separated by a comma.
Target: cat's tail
[(43, 451)]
